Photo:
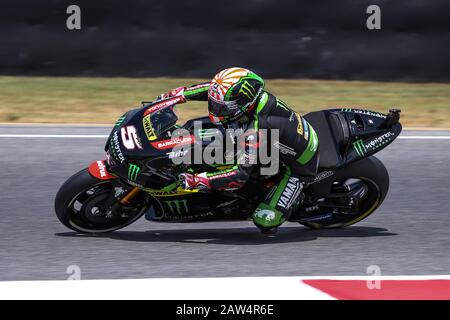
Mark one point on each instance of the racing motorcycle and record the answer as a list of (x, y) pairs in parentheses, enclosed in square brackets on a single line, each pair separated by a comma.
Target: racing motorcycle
[(139, 176)]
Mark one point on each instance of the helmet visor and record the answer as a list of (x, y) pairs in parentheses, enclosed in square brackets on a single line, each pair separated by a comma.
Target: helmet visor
[(223, 110)]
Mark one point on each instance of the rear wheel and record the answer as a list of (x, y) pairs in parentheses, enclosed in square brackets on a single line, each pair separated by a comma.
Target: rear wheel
[(83, 203), (356, 192)]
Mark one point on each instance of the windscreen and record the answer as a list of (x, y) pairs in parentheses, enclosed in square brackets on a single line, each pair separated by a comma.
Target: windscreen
[(163, 120)]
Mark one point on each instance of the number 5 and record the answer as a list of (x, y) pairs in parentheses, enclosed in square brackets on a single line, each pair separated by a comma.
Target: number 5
[(130, 138)]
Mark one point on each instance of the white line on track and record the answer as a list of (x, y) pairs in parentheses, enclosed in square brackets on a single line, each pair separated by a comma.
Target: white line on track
[(103, 136), (424, 137)]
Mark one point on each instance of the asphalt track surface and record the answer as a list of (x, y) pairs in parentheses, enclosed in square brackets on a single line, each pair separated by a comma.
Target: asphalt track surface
[(408, 235)]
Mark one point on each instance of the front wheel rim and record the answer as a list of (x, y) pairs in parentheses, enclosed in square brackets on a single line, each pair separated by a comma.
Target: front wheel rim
[(83, 210)]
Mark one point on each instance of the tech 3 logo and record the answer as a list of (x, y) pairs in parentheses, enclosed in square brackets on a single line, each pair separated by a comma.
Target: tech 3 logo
[(179, 206)]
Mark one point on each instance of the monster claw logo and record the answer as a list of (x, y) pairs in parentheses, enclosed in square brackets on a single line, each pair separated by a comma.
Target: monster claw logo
[(247, 90), (133, 171), (359, 147), (177, 206)]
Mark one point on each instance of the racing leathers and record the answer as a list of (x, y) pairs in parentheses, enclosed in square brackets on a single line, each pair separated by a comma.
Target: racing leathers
[(297, 143)]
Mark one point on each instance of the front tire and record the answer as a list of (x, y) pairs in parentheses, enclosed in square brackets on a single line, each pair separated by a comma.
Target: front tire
[(79, 201), (371, 176)]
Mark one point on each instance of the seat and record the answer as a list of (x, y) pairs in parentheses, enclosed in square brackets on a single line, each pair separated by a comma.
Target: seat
[(333, 133)]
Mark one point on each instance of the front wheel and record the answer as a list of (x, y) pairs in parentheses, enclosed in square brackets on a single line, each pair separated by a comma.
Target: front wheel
[(83, 204), (356, 192)]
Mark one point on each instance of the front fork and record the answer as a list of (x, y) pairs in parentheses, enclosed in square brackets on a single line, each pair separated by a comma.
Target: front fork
[(98, 169), (130, 196)]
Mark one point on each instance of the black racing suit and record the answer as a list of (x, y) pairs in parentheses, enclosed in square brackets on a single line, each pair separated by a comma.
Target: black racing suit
[(298, 150)]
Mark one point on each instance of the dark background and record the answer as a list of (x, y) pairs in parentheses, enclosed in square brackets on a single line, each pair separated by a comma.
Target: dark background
[(276, 38)]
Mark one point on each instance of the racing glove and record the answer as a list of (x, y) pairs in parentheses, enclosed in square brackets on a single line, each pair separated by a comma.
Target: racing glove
[(173, 93)]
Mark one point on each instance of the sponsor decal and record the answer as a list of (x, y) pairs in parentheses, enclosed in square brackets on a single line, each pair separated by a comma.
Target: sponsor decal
[(290, 193), (179, 206), (148, 128), (188, 217), (364, 112), (362, 148), (247, 90), (101, 169), (199, 86), (292, 117), (226, 204), (115, 150), (168, 193), (170, 143), (120, 121), (177, 154), (379, 141), (164, 104), (221, 175), (300, 124), (284, 149), (325, 216), (98, 170), (311, 209), (135, 184), (130, 139), (322, 175), (110, 160), (306, 129), (267, 215), (133, 171), (208, 133)]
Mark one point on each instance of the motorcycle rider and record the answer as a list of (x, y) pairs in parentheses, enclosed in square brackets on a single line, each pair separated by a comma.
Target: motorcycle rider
[(236, 96)]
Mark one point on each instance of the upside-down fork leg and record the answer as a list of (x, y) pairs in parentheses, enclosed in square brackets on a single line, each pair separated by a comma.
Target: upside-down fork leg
[(130, 196)]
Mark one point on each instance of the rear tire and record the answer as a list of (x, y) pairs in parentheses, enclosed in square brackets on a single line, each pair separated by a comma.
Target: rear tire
[(371, 172), (78, 203)]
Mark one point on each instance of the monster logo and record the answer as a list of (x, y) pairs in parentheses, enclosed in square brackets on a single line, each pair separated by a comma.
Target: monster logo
[(177, 206), (247, 90), (359, 147), (133, 171)]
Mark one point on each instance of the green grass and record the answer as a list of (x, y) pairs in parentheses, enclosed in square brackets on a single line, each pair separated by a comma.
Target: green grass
[(103, 100)]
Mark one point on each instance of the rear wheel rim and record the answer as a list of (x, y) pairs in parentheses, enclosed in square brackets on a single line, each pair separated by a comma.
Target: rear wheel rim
[(339, 219)]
